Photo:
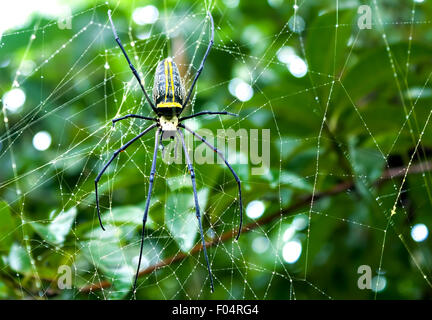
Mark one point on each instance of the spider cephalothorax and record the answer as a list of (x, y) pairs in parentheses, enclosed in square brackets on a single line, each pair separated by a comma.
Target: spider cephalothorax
[(170, 99)]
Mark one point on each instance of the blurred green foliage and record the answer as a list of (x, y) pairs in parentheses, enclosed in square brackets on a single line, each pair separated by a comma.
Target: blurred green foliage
[(373, 93)]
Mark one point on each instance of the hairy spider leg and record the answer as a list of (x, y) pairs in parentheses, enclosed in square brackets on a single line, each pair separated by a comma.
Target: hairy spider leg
[(229, 167), (117, 39), (152, 174), (202, 63), (132, 116), (208, 112), (116, 153), (197, 210)]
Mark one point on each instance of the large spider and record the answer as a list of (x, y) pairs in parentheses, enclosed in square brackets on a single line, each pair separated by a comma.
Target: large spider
[(170, 99)]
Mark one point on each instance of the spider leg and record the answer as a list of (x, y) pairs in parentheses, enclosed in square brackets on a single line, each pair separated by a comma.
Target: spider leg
[(152, 174), (132, 116), (229, 167), (117, 39), (202, 62), (198, 215), (116, 153), (208, 112)]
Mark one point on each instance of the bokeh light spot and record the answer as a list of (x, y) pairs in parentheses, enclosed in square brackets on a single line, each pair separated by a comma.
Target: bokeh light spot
[(419, 232), (291, 251), (42, 140), (14, 99), (255, 209), (145, 15)]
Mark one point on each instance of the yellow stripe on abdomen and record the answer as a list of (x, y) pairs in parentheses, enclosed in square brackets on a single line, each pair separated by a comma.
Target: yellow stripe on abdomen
[(172, 80), (166, 79), (169, 105)]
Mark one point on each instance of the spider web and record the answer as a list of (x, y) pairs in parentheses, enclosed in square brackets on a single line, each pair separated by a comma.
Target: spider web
[(51, 193)]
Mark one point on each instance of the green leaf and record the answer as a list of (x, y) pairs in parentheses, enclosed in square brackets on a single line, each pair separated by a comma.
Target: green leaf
[(179, 182), (180, 217), (129, 215), (3, 290), (324, 34), (376, 63), (118, 264), (107, 256), (295, 181), (19, 259), (287, 146), (368, 165), (56, 231), (7, 227)]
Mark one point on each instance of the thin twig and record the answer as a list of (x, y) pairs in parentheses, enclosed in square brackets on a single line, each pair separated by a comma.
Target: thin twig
[(339, 188)]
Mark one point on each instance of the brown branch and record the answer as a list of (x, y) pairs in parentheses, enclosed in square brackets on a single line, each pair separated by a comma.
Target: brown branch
[(339, 188)]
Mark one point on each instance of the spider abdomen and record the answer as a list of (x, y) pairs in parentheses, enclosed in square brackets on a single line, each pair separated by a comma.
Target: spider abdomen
[(168, 89)]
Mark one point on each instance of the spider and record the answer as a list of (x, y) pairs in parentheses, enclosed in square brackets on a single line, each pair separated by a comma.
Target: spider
[(170, 100)]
